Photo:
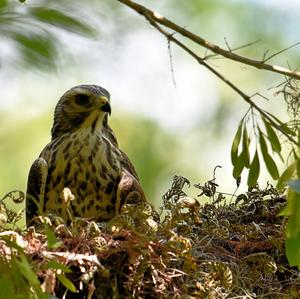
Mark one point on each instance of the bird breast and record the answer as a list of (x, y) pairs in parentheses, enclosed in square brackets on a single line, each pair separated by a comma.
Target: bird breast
[(88, 165)]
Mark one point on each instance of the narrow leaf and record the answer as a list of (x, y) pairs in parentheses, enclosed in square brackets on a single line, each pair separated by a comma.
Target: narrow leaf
[(295, 185), (238, 167), (286, 176), (281, 125), (273, 138), (254, 171), (59, 19), (52, 241), (297, 160), (270, 164), (36, 49), (245, 149), (287, 130), (292, 229), (66, 282), (235, 144)]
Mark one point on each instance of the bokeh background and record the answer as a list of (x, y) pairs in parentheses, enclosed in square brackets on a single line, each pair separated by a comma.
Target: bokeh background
[(184, 127)]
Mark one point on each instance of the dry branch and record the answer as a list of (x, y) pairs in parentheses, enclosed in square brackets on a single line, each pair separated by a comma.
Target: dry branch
[(157, 18)]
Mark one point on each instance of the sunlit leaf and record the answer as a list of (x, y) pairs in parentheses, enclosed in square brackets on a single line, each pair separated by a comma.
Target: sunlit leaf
[(272, 136), (286, 176), (238, 167), (235, 144), (254, 171), (270, 164), (66, 282), (60, 19), (245, 149)]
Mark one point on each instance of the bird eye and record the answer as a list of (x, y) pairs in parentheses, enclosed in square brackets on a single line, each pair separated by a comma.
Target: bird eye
[(82, 99)]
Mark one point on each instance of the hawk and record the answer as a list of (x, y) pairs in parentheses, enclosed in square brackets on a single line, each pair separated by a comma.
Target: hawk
[(83, 156)]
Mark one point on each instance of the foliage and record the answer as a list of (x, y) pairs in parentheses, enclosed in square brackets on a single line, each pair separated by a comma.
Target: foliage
[(30, 30), (290, 136), (259, 129), (219, 249)]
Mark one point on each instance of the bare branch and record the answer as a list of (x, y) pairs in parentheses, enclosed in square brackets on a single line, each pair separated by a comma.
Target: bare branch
[(157, 18), (170, 37), (233, 50)]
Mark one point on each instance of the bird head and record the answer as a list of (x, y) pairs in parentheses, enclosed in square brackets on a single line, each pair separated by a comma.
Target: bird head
[(81, 106)]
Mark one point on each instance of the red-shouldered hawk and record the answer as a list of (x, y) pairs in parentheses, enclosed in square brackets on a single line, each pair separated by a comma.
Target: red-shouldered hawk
[(83, 156)]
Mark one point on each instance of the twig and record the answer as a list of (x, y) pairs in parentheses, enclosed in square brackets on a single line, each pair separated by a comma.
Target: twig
[(157, 18), (171, 64), (233, 49), (281, 51), (273, 121)]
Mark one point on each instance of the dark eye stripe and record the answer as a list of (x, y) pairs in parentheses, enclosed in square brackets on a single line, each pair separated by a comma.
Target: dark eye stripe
[(82, 99)]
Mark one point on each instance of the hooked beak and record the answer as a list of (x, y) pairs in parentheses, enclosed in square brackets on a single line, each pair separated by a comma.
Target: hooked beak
[(105, 105)]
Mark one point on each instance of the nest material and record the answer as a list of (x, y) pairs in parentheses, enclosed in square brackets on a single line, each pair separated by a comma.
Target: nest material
[(230, 248)]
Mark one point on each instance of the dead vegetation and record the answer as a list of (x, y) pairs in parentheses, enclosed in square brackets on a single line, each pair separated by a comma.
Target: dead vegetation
[(224, 248)]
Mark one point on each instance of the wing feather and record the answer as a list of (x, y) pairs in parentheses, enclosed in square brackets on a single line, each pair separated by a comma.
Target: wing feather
[(36, 188)]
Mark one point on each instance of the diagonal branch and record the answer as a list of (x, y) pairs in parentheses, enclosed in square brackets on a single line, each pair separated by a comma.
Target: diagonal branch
[(276, 124), (156, 18)]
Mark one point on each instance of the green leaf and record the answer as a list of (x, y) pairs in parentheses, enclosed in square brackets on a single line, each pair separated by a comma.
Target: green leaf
[(295, 185), (66, 282), (238, 167), (52, 241), (287, 130), (254, 171), (56, 265), (245, 149), (292, 245), (25, 269), (273, 138), (3, 4), (293, 227), (59, 19), (37, 49), (286, 176), (235, 144), (270, 164), (281, 125)]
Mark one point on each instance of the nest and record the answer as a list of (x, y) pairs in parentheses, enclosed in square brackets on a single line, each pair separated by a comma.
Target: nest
[(224, 248)]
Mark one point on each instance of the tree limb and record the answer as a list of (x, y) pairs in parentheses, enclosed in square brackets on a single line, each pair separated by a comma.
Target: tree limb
[(276, 124), (157, 18)]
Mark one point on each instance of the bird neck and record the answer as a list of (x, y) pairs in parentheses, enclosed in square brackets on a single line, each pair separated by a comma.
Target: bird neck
[(94, 122)]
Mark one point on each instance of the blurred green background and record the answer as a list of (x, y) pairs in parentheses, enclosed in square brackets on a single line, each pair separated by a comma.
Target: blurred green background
[(165, 128)]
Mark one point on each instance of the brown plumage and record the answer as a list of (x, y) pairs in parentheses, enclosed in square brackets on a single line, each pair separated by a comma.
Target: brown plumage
[(84, 157)]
